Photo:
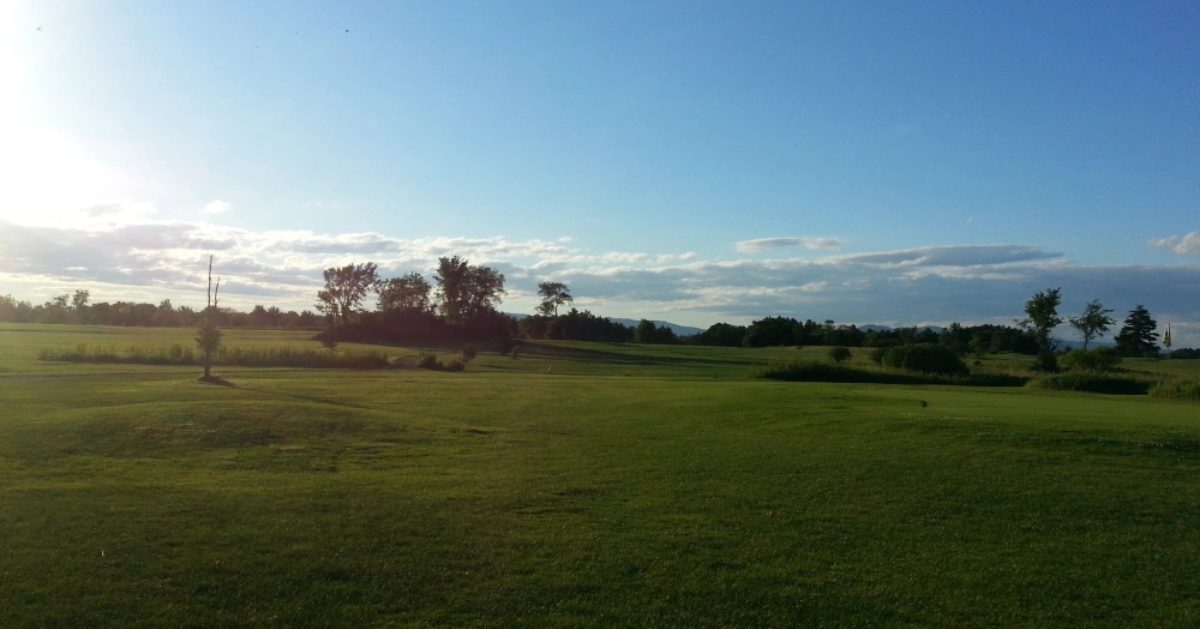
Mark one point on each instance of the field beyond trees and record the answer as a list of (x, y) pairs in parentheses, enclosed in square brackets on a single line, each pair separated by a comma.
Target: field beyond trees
[(581, 484)]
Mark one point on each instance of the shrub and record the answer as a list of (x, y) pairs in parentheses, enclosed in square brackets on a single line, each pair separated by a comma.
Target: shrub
[(876, 355), (925, 358), (1092, 383), (1046, 362), (1177, 390), (839, 354), (431, 362), (1098, 360), (810, 371), (469, 352), (428, 361)]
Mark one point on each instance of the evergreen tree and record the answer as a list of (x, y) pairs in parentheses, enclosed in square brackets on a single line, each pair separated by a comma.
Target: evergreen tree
[(1137, 337)]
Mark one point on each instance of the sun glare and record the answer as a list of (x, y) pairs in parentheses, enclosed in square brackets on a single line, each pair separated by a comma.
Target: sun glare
[(48, 177)]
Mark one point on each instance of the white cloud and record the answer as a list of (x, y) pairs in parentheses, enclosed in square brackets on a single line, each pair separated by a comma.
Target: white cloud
[(954, 256), (1185, 245), (217, 207), (766, 244)]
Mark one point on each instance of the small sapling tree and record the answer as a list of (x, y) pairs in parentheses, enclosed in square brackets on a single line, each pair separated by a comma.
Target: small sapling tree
[(208, 336), (1093, 322)]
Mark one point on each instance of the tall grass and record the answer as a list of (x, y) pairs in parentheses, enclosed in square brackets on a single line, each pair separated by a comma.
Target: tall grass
[(1177, 390), (226, 356)]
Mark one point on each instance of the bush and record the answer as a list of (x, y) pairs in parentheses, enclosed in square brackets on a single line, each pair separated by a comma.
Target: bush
[(1092, 383), (810, 371), (428, 361), (876, 355), (839, 354), (469, 352), (1098, 360), (1177, 390), (925, 358), (1045, 362)]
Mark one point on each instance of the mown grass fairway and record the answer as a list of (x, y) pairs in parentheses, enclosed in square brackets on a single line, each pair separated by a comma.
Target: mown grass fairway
[(595, 485)]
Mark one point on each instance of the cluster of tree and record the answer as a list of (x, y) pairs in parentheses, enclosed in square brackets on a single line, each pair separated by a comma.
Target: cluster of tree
[(75, 308), (649, 332), (408, 309), (1137, 336), (574, 325)]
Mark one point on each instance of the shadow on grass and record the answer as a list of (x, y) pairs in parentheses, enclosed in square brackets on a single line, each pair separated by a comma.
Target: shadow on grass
[(539, 350), (804, 371)]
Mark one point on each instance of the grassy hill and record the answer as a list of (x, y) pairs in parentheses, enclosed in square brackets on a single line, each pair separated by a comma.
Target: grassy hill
[(581, 484)]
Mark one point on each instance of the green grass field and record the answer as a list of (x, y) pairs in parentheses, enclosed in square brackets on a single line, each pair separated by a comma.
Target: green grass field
[(581, 484)]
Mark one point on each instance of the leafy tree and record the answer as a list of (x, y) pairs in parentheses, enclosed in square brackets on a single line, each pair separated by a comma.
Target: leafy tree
[(956, 338), (79, 305), (466, 291), (644, 332), (723, 334), (575, 325), (1093, 322), (208, 337), (407, 292), (647, 332), (345, 288), (770, 331), (1041, 317), (554, 294), (1137, 337)]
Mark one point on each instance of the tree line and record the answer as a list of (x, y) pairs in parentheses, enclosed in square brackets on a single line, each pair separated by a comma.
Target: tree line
[(77, 308), (460, 305)]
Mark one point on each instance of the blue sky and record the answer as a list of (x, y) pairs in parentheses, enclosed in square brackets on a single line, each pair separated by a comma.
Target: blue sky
[(625, 147)]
